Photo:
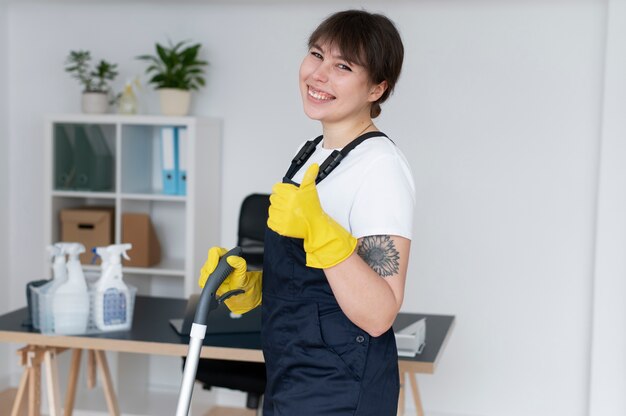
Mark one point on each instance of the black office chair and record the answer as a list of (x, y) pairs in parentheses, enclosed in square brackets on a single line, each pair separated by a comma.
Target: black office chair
[(251, 234), (241, 375)]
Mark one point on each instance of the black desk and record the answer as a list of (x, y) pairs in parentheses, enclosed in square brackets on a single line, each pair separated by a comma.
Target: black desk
[(151, 333)]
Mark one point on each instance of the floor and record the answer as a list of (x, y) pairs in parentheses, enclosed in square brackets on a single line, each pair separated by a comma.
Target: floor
[(6, 402), (8, 396), (229, 411)]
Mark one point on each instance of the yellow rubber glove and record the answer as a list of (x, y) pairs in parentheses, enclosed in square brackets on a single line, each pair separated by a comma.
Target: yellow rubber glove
[(239, 278), (296, 212)]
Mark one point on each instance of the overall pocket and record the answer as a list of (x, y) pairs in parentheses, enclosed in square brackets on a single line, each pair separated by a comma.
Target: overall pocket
[(344, 339)]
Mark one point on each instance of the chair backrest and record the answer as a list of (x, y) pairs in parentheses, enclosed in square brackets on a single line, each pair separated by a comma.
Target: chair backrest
[(252, 223)]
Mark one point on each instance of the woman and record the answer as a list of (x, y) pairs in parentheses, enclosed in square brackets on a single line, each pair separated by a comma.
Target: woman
[(338, 238)]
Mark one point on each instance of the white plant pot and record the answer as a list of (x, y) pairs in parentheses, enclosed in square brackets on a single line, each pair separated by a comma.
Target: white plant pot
[(95, 102), (174, 102)]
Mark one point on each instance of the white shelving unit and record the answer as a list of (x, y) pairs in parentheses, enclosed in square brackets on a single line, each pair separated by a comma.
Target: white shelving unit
[(186, 225)]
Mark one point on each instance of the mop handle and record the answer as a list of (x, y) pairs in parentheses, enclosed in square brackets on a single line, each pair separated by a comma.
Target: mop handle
[(198, 330), (213, 282)]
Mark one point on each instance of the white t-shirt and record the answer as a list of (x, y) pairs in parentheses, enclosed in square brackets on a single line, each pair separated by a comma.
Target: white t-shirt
[(371, 192)]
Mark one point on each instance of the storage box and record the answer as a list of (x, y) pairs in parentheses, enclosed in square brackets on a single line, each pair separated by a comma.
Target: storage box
[(91, 226), (137, 229)]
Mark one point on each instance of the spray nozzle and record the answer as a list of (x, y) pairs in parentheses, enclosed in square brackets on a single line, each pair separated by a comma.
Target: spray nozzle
[(114, 252), (100, 252), (73, 249), (57, 252), (54, 250), (60, 249)]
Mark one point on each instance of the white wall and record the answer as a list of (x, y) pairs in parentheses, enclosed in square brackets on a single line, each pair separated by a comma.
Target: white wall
[(498, 110), (608, 360)]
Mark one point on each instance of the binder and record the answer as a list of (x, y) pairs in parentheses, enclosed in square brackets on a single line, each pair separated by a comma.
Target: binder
[(169, 156), (64, 168), (182, 161), (83, 157), (93, 160), (101, 172)]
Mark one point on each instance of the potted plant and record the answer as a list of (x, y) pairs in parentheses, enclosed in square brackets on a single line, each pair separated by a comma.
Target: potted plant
[(176, 70), (95, 81)]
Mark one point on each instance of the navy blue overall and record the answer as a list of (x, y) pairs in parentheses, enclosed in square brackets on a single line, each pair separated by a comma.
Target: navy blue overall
[(318, 362)]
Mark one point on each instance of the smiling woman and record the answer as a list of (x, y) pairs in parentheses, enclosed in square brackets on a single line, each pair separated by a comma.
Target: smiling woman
[(327, 305), (336, 90), (356, 39)]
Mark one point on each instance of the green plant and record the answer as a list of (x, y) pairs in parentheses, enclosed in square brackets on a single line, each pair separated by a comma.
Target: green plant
[(176, 66), (92, 80)]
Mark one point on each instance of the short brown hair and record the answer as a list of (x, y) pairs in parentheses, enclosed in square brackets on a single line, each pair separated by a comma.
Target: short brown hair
[(367, 39)]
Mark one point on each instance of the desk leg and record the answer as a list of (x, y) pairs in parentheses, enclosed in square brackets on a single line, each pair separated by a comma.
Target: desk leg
[(70, 395), (52, 385), (31, 358), (91, 369), (109, 392), (416, 394), (30, 383), (34, 384), (21, 394)]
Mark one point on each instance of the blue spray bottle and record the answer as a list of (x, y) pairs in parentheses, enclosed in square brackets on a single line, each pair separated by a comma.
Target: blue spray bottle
[(111, 301)]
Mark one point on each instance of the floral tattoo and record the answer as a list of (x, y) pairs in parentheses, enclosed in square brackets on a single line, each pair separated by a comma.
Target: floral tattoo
[(380, 254)]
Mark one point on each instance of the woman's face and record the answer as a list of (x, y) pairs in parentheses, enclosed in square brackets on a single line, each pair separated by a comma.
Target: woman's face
[(333, 89)]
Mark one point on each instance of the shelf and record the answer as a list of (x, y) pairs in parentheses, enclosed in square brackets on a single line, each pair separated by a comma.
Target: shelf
[(145, 119), (167, 267), (185, 225), (147, 196), (139, 196), (83, 194)]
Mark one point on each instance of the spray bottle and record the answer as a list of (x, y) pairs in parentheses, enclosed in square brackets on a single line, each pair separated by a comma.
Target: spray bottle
[(111, 301), (57, 253), (101, 252), (59, 266), (35, 301), (70, 301), (43, 303)]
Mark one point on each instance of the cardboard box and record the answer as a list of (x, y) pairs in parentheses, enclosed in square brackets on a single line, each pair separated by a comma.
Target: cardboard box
[(91, 226), (137, 229)]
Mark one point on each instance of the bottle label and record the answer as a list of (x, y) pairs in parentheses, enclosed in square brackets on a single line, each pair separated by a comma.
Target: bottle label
[(114, 304)]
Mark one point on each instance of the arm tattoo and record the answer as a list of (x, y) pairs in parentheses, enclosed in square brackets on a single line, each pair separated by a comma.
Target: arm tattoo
[(380, 254)]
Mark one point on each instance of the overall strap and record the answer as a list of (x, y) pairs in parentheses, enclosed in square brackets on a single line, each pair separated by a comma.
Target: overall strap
[(337, 156), (303, 155), (331, 161)]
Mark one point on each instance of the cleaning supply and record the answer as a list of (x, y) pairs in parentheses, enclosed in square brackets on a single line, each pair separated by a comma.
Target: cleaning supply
[(94, 277), (70, 301), (59, 276), (32, 302), (112, 297), (59, 271), (103, 253)]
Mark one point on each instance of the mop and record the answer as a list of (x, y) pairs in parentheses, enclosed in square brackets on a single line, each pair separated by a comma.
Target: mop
[(207, 302)]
